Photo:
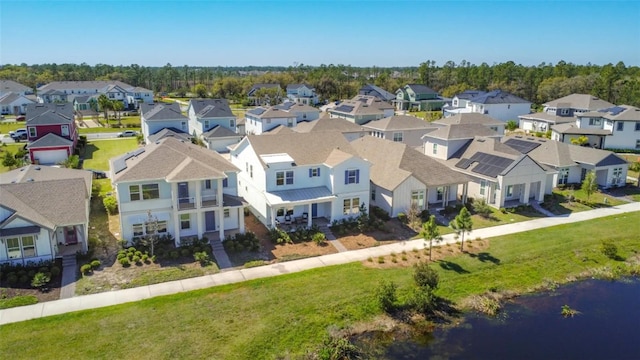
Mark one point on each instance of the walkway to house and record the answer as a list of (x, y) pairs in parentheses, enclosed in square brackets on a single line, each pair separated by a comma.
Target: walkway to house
[(69, 271), (238, 275), (537, 207), (222, 259), (331, 239)]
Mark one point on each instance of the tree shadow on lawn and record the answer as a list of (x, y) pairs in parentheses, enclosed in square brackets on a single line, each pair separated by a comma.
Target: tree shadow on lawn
[(449, 265), (485, 256), (89, 149)]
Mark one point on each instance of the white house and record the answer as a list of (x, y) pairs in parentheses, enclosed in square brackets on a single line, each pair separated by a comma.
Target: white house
[(561, 111), (497, 104), (44, 213), (401, 128), (461, 100), (206, 114), (301, 175), (302, 94), (190, 190), (260, 119), (402, 177), (14, 103), (302, 111), (444, 142), (157, 116), (113, 89), (572, 162), (362, 109), (617, 127), (348, 129)]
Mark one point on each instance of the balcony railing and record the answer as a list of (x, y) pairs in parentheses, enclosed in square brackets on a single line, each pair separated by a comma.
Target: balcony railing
[(186, 203), (209, 200)]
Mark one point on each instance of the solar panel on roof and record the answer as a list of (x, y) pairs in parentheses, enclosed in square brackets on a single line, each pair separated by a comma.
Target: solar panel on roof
[(344, 108), (257, 111), (464, 163), (613, 110), (490, 165), (119, 165)]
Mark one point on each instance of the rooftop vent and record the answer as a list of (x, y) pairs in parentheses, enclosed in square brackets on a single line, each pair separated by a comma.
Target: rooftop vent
[(29, 180)]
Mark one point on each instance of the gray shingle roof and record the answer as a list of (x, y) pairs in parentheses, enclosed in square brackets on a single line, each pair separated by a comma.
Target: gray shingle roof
[(621, 113), (169, 132), (498, 97), (173, 160), (297, 86), (572, 129), (469, 118), (421, 89), (77, 85), (377, 91), (304, 148), (579, 102), (327, 123), (211, 108), (552, 119), (161, 111), (8, 98), (400, 122), (461, 131), (46, 195), (469, 94), (49, 114), (218, 132), (12, 86), (50, 140), (393, 163)]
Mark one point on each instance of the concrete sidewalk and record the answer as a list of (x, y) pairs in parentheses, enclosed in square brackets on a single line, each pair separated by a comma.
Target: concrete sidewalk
[(233, 276)]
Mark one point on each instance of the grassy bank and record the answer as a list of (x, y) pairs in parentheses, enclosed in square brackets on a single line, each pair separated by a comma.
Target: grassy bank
[(290, 314)]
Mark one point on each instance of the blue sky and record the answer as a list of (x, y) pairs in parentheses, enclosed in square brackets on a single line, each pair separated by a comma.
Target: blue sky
[(371, 33)]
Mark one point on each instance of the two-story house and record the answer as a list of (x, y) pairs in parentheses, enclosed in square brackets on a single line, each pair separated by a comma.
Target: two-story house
[(561, 111), (616, 127), (157, 116), (472, 118), (14, 103), (460, 100), (51, 131), (291, 176), (303, 112), (362, 109), (402, 177), (44, 213), (191, 192), (572, 162), (213, 121), (418, 97), (260, 120), (380, 93), (497, 104), (10, 86), (51, 96), (444, 142), (63, 91), (348, 129), (401, 128), (302, 94)]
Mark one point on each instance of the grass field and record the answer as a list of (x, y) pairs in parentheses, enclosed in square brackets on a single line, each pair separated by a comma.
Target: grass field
[(11, 126), (283, 317), (12, 148), (98, 152)]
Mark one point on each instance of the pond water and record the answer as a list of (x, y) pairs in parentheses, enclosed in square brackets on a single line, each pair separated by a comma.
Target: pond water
[(607, 327)]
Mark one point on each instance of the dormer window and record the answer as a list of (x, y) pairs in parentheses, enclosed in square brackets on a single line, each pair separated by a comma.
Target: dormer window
[(564, 111)]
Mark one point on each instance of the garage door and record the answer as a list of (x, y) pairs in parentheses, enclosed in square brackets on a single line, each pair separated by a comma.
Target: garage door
[(50, 157)]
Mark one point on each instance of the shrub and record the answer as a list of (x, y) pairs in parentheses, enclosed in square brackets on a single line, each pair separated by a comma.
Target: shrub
[(145, 258), (380, 259), (40, 280), (85, 269), (386, 295), (95, 264), (55, 271), (279, 236), (110, 204), (425, 277), (138, 253), (136, 259), (609, 249), (380, 213), (402, 217), (185, 252), (202, 257), (121, 254), (319, 238), (422, 301), (125, 262), (131, 250), (12, 278), (153, 258), (174, 254), (481, 208)]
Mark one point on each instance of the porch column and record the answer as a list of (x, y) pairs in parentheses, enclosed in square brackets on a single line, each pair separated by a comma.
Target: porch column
[(309, 216), (445, 196), (176, 217), (241, 219), (273, 217), (221, 223), (527, 190), (198, 197), (542, 189), (465, 190), (200, 223), (219, 197)]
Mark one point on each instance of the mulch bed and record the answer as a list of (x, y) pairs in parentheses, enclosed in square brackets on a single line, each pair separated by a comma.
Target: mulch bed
[(23, 290)]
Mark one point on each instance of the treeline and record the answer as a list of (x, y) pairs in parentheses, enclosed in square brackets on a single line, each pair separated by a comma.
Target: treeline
[(617, 83)]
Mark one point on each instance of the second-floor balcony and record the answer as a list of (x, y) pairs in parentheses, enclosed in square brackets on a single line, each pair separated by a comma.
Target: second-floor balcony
[(209, 200), (186, 203)]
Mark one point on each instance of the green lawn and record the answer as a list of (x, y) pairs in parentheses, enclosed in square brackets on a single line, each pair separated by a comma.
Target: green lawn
[(11, 126), (497, 218), (559, 202), (285, 316), (105, 130), (98, 152), (12, 148)]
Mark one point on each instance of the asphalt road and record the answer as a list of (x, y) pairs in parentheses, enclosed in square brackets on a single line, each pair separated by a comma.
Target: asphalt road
[(5, 138)]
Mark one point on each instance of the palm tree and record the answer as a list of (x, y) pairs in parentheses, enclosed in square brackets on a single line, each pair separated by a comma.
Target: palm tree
[(117, 106), (105, 106)]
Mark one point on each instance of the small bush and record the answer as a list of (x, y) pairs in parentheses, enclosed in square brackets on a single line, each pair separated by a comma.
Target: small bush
[(125, 262), (145, 258), (370, 259), (174, 254), (255, 263), (609, 249), (319, 238), (95, 264), (380, 259), (403, 218), (386, 295), (85, 269), (136, 259), (154, 258), (12, 278), (40, 280), (55, 271), (185, 252), (138, 253), (110, 204), (202, 257)]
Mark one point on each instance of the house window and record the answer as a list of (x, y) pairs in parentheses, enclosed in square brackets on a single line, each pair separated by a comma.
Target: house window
[(435, 148), (397, 137), (617, 176), (289, 177), (620, 126), (351, 206), (280, 212), (138, 230), (150, 191), (352, 176), (225, 183), (564, 111), (134, 193), (509, 191), (483, 186), (183, 125), (509, 106), (111, 96), (251, 171), (373, 194), (637, 125), (64, 130), (161, 227), (206, 124), (28, 246), (207, 184), (185, 221), (314, 172), (289, 122), (439, 193), (595, 121), (417, 198), (13, 248), (280, 178), (232, 123), (563, 176), (32, 132)]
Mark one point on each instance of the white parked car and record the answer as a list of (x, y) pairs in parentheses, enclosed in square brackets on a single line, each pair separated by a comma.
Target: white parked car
[(20, 134), (128, 133)]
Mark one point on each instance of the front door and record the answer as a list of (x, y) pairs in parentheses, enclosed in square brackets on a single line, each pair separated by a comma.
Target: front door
[(70, 236), (183, 192), (210, 220), (314, 210)]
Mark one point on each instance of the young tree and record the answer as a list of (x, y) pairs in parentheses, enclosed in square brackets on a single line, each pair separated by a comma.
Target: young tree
[(582, 140), (481, 208), (590, 184), (511, 125), (117, 107), (200, 90), (8, 160), (430, 232), (462, 224), (636, 167), (72, 162), (425, 277), (151, 238)]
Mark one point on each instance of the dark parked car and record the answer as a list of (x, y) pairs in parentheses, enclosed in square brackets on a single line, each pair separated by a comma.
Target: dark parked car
[(98, 174), (21, 118)]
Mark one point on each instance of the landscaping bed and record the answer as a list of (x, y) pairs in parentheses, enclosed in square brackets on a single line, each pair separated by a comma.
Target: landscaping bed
[(21, 292), (573, 199)]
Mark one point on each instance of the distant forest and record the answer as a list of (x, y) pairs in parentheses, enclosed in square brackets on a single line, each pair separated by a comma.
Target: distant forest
[(619, 84)]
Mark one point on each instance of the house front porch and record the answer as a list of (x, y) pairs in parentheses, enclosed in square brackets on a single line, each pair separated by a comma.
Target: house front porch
[(298, 207)]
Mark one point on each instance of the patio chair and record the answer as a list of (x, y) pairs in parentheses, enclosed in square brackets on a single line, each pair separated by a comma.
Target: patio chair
[(287, 219), (305, 217)]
